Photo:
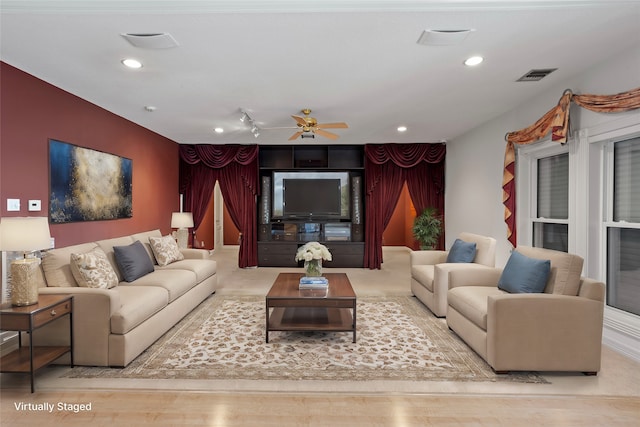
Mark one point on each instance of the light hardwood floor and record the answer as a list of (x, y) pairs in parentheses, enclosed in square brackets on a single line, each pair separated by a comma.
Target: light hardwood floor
[(610, 399)]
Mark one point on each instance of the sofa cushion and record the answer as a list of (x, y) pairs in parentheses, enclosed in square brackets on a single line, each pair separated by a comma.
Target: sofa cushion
[(165, 250), (462, 251), (56, 265), (566, 269), (133, 261), (175, 282), (203, 268), (423, 274), (472, 301), (524, 275), (107, 246), (92, 269), (138, 303)]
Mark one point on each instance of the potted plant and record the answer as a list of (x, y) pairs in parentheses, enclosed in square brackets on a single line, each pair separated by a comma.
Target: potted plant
[(427, 228)]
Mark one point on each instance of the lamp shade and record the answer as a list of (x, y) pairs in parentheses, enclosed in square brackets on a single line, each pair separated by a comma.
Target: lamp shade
[(181, 220), (24, 234)]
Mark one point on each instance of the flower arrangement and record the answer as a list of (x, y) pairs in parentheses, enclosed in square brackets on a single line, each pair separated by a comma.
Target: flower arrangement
[(312, 253), (313, 250)]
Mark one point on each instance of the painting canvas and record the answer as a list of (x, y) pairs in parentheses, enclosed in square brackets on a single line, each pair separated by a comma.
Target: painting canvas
[(88, 185)]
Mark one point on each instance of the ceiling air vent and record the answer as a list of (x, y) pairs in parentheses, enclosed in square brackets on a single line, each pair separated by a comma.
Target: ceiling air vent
[(536, 75), (151, 40), (443, 37)]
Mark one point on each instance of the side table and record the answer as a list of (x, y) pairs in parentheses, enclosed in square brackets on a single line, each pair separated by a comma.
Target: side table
[(29, 359)]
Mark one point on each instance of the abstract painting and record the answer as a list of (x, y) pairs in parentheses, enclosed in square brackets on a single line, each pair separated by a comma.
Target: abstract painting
[(88, 185)]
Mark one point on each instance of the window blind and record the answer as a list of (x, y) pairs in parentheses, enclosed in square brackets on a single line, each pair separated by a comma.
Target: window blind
[(553, 187), (626, 181)]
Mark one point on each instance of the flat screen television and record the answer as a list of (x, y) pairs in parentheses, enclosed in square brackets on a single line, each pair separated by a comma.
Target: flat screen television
[(308, 195)]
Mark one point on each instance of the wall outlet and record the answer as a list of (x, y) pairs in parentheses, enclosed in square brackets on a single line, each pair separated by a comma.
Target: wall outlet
[(35, 206)]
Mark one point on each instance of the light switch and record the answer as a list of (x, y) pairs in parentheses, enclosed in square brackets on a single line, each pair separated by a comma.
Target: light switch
[(34, 205), (13, 205)]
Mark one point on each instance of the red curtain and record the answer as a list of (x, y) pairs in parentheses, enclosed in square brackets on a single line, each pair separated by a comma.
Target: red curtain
[(387, 167), (235, 167)]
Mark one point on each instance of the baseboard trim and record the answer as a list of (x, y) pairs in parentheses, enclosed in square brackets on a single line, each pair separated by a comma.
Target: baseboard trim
[(621, 332)]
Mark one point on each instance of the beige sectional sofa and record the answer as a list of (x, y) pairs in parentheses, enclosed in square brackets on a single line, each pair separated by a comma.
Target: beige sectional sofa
[(559, 329), (112, 326)]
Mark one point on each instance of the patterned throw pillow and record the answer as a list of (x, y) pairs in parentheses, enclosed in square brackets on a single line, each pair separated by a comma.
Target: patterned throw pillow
[(93, 270), (165, 250)]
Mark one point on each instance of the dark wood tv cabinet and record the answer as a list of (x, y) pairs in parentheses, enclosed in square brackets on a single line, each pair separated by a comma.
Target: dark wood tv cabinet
[(280, 234)]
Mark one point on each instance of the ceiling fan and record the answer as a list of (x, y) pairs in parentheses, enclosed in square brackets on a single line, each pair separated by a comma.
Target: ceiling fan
[(309, 127)]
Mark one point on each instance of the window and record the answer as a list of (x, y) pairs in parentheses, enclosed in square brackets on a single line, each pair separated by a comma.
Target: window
[(623, 228), (551, 220)]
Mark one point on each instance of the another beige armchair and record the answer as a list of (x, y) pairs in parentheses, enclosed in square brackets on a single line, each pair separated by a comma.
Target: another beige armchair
[(557, 330), (430, 271)]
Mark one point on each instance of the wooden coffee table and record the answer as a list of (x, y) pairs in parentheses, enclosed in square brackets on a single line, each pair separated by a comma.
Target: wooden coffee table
[(289, 308)]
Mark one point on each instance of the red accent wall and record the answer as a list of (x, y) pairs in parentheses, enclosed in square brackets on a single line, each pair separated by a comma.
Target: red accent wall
[(33, 111)]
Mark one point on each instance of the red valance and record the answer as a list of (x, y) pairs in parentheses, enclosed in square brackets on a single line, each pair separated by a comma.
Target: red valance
[(555, 121), (405, 155)]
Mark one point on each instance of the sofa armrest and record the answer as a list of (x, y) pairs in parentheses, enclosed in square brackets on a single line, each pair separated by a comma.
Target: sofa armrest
[(471, 275), (193, 253), (544, 332), (427, 257), (92, 311)]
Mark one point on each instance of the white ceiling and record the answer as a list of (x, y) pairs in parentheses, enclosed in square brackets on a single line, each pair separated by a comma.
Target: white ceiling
[(352, 60)]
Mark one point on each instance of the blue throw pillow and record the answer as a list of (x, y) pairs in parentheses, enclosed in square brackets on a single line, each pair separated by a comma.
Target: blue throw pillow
[(524, 275), (133, 260), (462, 251)]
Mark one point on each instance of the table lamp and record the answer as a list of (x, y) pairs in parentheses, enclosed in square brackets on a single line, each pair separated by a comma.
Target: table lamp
[(182, 221), (26, 235)]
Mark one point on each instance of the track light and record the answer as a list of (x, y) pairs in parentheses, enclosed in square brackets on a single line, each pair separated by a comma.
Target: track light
[(245, 118)]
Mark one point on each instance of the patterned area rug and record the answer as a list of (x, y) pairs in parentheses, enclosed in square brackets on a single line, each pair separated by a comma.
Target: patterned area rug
[(224, 338)]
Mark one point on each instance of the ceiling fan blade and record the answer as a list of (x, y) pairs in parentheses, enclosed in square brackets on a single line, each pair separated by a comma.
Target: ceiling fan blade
[(301, 121), (340, 125), (326, 134), (295, 136)]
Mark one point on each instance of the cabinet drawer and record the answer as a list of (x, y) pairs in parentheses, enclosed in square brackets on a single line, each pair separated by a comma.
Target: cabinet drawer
[(51, 314)]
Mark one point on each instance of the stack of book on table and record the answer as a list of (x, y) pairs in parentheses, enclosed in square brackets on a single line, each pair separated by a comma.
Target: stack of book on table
[(313, 282)]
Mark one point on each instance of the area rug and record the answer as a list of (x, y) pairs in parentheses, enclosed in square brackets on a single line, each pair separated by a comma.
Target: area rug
[(224, 338)]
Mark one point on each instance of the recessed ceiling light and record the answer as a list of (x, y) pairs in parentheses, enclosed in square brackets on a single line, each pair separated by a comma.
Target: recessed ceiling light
[(132, 63), (402, 128), (218, 130), (473, 61)]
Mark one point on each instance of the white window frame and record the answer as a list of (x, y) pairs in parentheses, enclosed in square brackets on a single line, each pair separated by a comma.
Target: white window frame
[(621, 328), (527, 182)]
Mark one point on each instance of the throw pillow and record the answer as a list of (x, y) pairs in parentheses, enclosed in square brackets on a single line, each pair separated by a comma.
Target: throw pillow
[(462, 251), (165, 250), (524, 275), (93, 270), (133, 261)]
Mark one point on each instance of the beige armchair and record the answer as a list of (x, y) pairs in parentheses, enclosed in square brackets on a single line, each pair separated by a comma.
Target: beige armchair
[(557, 330), (429, 271)]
